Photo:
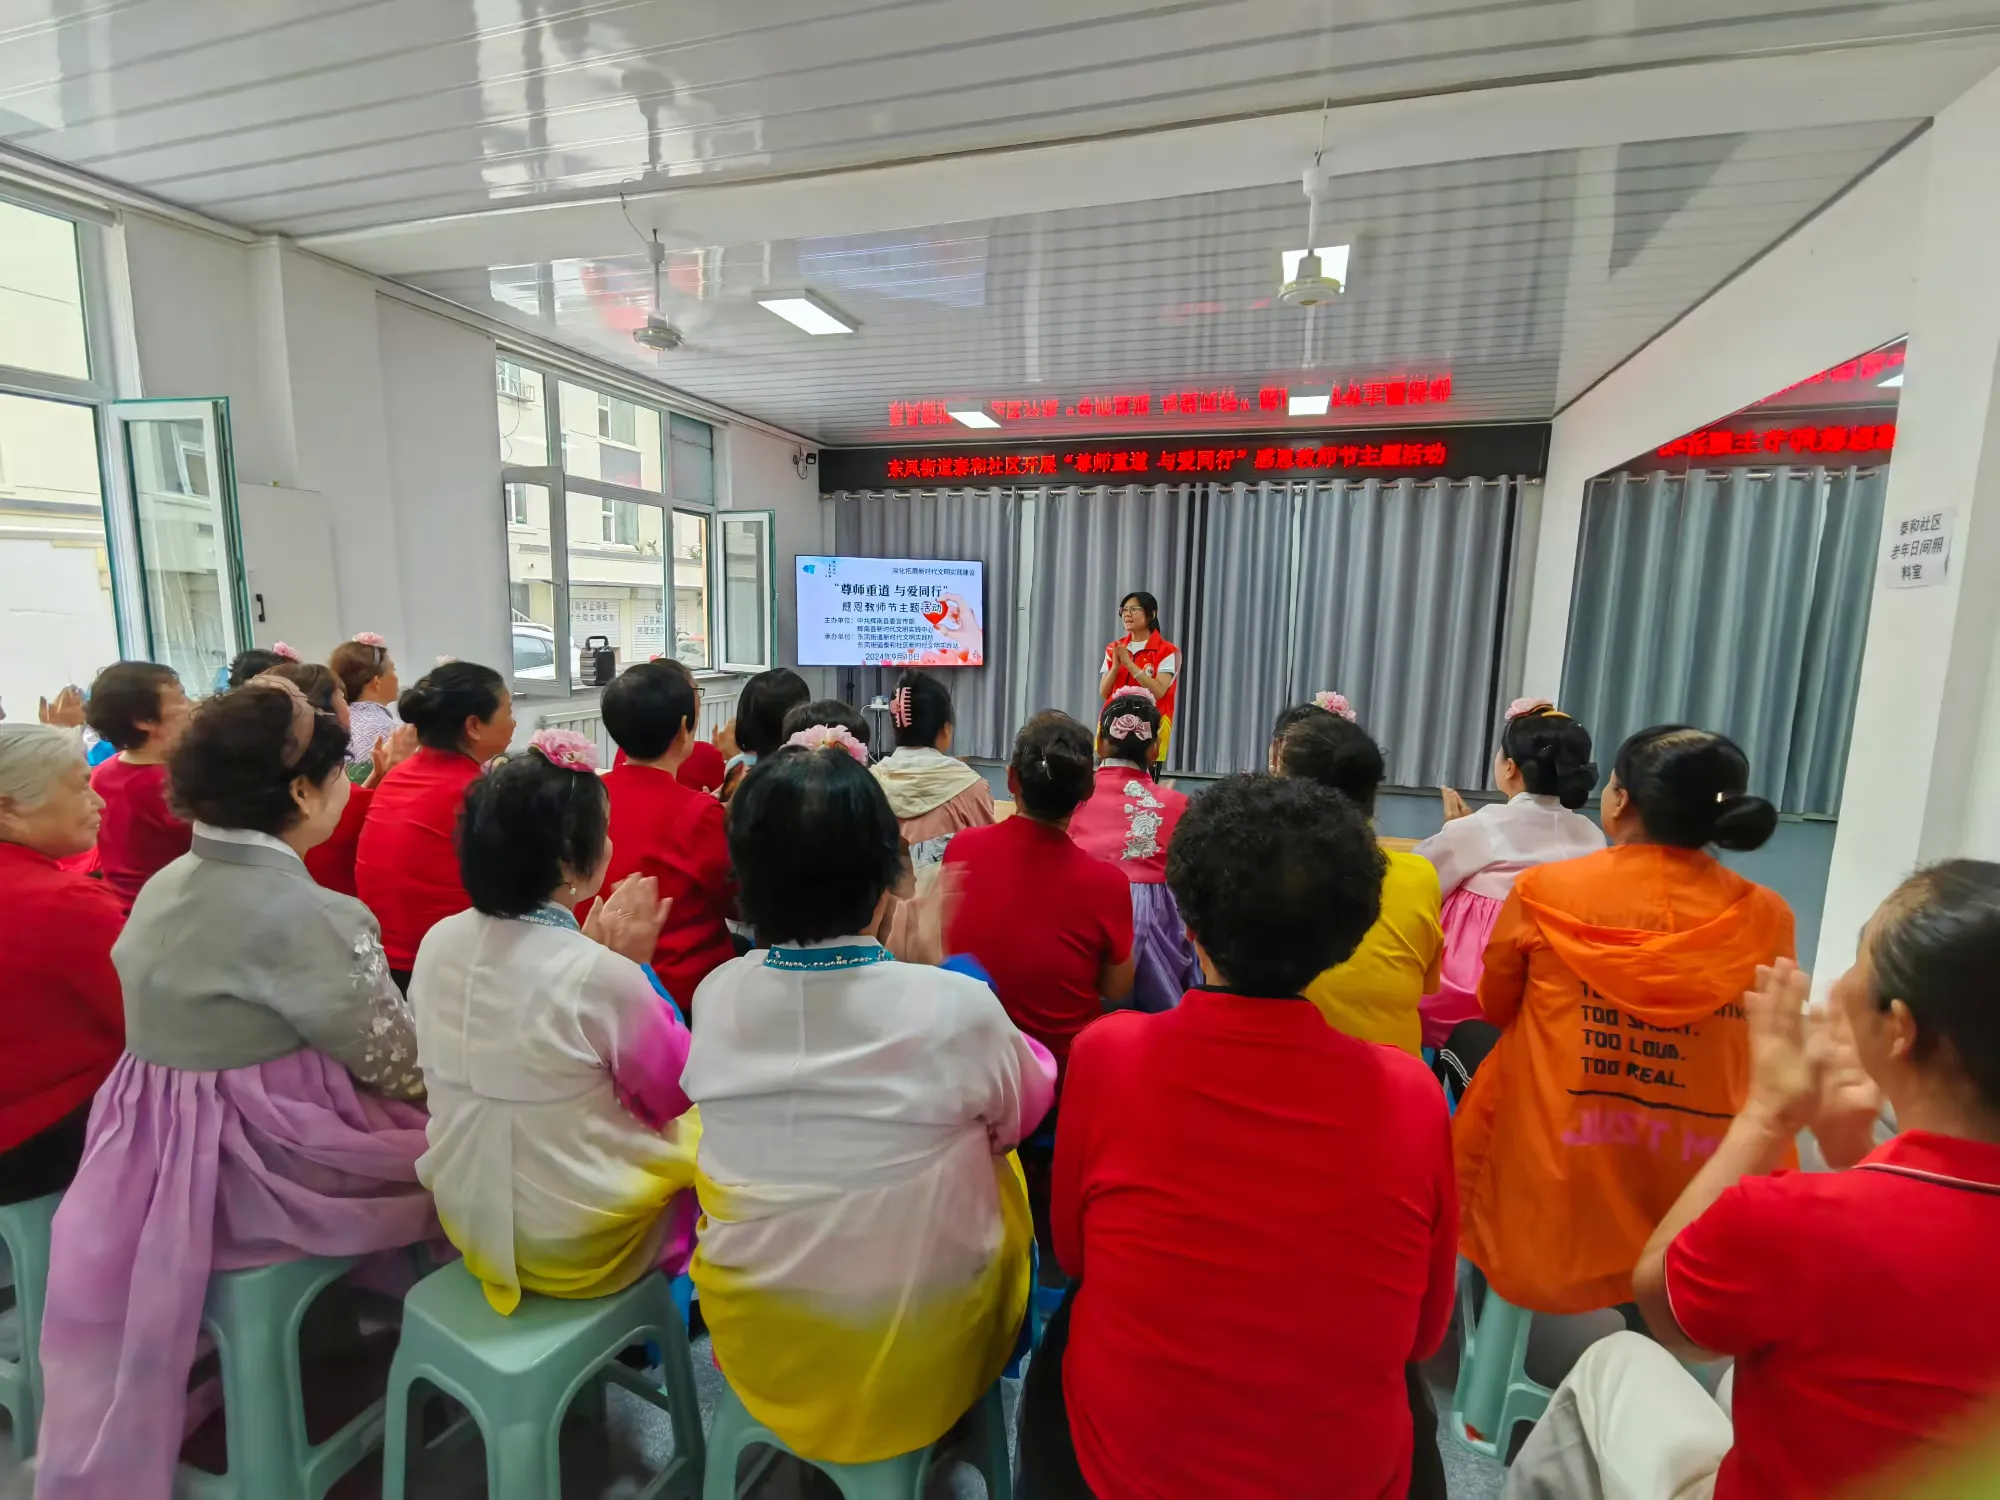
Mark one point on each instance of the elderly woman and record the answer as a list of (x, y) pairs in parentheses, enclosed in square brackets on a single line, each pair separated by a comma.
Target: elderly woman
[(60, 1009), (260, 1111)]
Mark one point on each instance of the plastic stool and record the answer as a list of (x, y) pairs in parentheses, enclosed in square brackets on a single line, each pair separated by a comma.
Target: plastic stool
[(899, 1478), (517, 1375), (254, 1318), (24, 1230), (1494, 1394)]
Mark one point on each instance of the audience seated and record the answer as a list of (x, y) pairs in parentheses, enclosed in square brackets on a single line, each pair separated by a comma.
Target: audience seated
[(553, 1061), (863, 1260), (1860, 1305), (332, 863), (1615, 979), (138, 707), (368, 681), (705, 769), (826, 713), (933, 796), (257, 1114), (1129, 820), (1258, 1209), (406, 865), (60, 1009), (254, 662), (664, 829), (1375, 995), (1051, 924), (1545, 770), (759, 726)]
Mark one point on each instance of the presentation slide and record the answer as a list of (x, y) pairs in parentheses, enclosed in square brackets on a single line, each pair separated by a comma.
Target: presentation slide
[(891, 612)]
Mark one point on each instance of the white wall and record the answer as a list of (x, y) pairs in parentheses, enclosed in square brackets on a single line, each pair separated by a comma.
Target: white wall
[(1840, 285), (378, 413), (759, 475), (444, 467)]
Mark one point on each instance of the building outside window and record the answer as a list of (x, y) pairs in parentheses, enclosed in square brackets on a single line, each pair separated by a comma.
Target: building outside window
[(627, 540)]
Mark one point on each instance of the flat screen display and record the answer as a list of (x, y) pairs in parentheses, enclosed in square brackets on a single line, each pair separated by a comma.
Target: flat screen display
[(891, 612)]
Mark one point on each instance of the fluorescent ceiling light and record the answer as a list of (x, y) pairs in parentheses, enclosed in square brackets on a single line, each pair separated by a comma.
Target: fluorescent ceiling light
[(807, 312), (1332, 262), (973, 419), (1894, 382), (1310, 406)]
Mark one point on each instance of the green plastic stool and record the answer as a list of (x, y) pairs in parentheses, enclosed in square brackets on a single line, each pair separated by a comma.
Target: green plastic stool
[(24, 1231), (1494, 1394), (517, 1376), (899, 1478), (254, 1317)]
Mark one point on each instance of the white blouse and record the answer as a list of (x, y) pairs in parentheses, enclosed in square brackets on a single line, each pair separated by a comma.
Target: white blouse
[(1487, 850)]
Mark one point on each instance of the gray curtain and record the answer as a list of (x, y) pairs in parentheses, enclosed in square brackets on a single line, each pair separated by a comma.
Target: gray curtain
[(1091, 548), (954, 525), (1241, 614), (1402, 609), (1735, 599)]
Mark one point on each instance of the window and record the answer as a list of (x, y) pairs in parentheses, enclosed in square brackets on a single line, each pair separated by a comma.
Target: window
[(614, 532), (41, 295), (189, 553), (65, 610), (691, 588), (58, 620)]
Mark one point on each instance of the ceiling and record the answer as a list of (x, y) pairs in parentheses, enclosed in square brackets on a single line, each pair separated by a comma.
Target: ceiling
[(1524, 278), (1047, 199)]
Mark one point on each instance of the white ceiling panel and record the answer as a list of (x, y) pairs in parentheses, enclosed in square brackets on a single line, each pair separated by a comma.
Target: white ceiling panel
[(309, 117), (1525, 277)]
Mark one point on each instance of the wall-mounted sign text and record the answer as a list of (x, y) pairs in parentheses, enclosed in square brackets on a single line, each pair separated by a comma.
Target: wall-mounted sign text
[(1916, 550), (1450, 452), (1834, 437)]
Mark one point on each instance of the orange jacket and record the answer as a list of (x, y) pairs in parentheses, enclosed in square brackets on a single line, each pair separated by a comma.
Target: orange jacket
[(1617, 981)]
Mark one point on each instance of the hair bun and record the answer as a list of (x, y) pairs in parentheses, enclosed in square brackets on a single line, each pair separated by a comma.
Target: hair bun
[(1575, 782), (1743, 822)]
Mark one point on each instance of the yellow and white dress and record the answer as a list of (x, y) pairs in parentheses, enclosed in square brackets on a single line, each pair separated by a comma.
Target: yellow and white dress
[(863, 1256), (560, 1140)]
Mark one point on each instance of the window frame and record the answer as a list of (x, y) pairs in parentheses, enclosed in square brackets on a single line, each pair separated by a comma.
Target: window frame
[(555, 478), (98, 390)]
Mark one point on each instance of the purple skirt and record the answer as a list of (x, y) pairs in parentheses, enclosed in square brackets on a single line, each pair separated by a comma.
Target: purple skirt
[(1163, 955), (185, 1174)]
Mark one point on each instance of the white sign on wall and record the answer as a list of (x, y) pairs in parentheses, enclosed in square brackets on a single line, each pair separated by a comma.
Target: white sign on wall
[(1916, 549)]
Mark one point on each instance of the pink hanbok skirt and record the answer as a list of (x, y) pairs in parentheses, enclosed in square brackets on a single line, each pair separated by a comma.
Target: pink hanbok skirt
[(1468, 923), (185, 1174)]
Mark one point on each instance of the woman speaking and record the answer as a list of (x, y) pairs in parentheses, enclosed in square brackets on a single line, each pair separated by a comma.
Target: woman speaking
[(1143, 658)]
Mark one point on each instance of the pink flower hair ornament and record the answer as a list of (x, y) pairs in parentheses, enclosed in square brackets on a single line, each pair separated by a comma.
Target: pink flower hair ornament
[(1130, 727), (1134, 691), (1527, 706), (370, 638), (279, 648), (830, 737), (1336, 703), (565, 749)]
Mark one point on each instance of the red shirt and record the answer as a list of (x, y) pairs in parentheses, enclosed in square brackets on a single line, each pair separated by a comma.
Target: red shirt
[(1129, 821), (406, 863), (1861, 1307), (61, 1010), (332, 863), (1150, 657), (704, 769), (1243, 1189), (138, 836), (663, 828), (1042, 918)]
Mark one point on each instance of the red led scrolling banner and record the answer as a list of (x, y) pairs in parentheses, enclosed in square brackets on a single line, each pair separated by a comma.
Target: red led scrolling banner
[(1268, 402), (1452, 452)]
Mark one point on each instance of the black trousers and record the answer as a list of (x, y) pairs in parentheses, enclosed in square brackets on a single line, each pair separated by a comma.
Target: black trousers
[(45, 1162), (1048, 1467)]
